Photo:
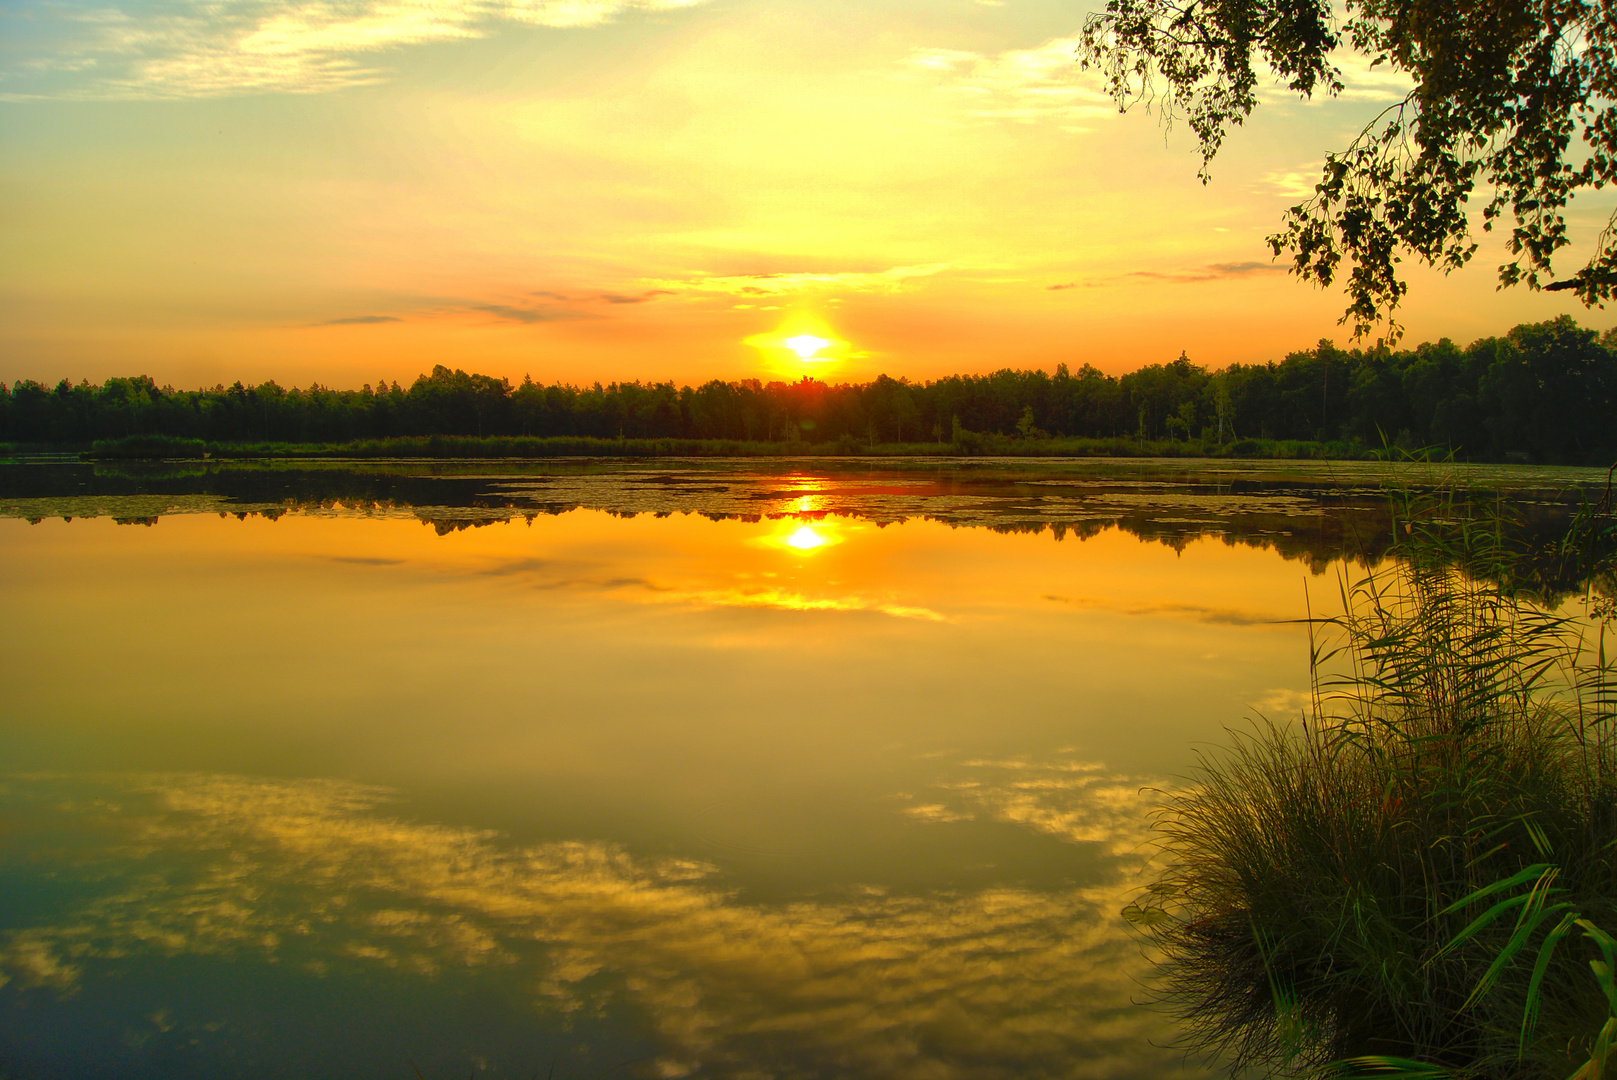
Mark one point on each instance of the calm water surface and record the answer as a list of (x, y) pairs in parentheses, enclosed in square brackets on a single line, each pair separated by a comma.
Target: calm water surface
[(585, 771)]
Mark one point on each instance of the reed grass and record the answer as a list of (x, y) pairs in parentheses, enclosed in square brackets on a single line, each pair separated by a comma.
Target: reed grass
[(1329, 882)]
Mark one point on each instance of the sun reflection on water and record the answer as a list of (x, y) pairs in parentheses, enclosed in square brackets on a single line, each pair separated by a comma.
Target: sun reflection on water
[(805, 539), (806, 535)]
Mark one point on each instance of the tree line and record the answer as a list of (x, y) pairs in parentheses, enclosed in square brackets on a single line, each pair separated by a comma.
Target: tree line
[(1547, 391)]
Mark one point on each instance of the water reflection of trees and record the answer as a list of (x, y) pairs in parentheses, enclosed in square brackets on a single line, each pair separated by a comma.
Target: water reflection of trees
[(1302, 519)]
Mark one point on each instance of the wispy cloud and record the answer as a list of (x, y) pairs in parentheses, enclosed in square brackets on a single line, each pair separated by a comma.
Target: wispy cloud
[(529, 315), (1295, 184), (892, 280), (361, 320), (1212, 271), (1046, 84), (1190, 275), (527, 308), (208, 49), (513, 567), (638, 298), (1042, 84), (601, 297), (1363, 82)]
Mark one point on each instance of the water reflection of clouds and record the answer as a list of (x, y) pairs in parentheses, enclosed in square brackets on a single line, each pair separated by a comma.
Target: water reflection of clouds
[(775, 598), (1002, 981), (1283, 702), (1205, 613), (29, 959), (790, 600), (1077, 801)]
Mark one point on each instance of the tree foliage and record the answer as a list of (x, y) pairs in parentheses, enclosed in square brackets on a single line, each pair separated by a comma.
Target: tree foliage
[(1502, 90), (1547, 390)]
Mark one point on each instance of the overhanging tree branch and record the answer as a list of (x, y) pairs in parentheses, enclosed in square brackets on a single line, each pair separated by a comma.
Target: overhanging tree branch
[(1501, 90)]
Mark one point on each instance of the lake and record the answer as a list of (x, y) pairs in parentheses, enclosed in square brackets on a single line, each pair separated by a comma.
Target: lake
[(669, 769)]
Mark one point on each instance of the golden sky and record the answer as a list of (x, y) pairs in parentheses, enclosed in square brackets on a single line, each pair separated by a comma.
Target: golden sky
[(639, 189)]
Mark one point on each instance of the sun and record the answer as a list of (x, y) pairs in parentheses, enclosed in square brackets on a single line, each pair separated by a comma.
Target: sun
[(803, 344)]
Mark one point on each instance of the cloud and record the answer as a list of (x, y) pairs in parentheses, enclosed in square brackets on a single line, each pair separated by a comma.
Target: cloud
[(1045, 84), (1066, 285), (527, 308), (1210, 272), (1038, 85), (199, 48), (1363, 82), (603, 297), (513, 567), (892, 280), (1219, 271), (361, 320), (635, 583), (1242, 269), (528, 315), (1295, 184), (649, 294)]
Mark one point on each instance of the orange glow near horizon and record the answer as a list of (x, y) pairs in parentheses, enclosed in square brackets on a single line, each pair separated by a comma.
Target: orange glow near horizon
[(972, 201)]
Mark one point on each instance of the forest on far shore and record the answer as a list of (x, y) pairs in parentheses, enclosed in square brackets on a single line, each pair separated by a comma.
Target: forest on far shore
[(1545, 392)]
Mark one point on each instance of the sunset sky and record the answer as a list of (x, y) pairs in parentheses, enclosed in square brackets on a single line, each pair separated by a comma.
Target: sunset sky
[(640, 189)]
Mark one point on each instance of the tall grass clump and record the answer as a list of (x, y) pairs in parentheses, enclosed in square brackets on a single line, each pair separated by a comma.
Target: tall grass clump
[(1400, 876)]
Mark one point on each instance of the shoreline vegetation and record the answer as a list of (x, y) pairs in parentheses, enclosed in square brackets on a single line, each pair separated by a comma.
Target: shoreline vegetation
[(1418, 876), (1543, 394), (967, 444)]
